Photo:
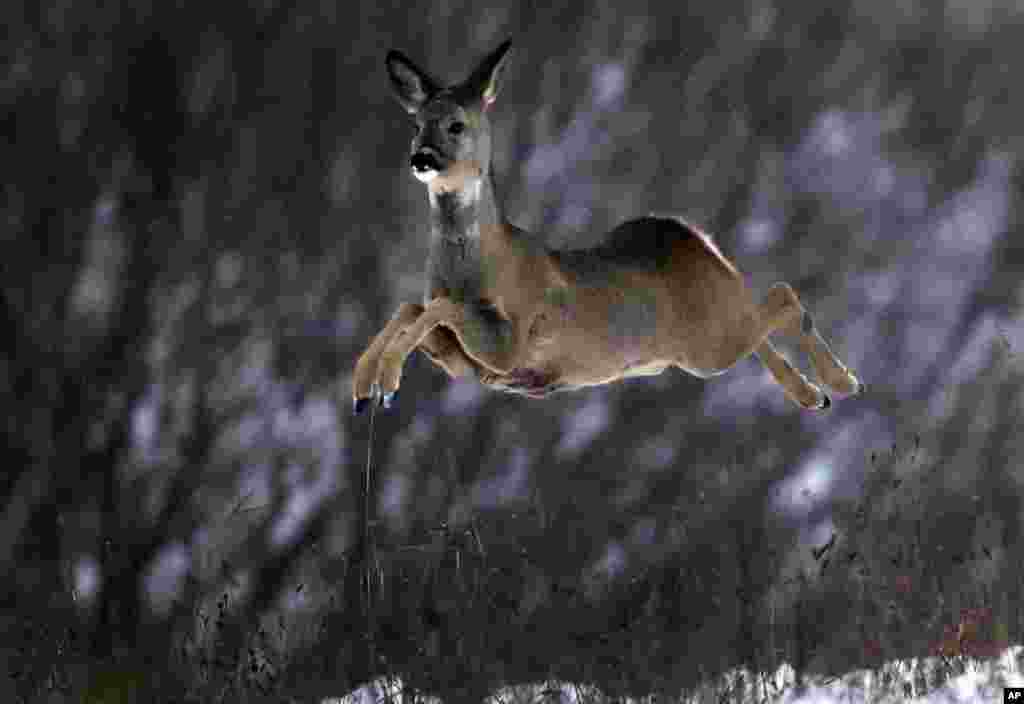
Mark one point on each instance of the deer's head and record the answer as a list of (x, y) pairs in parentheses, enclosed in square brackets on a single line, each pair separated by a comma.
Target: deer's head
[(451, 145)]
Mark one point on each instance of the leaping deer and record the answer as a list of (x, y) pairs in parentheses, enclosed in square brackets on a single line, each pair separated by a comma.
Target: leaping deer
[(500, 305)]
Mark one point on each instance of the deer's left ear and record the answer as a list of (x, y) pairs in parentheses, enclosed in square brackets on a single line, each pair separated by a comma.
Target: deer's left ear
[(485, 81), (411, 84)]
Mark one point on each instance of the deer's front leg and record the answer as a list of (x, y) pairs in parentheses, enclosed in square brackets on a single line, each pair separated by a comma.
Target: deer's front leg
[(487, 338), (443, 349), (366, 368)]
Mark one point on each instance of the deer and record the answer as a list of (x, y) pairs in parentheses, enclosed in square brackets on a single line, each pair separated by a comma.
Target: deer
[(500, 305)]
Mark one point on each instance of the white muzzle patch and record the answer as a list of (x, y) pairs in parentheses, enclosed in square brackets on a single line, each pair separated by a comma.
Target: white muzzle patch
[(425, 175)]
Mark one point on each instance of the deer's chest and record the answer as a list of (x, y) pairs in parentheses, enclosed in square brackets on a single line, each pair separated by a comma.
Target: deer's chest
[(455, 270)]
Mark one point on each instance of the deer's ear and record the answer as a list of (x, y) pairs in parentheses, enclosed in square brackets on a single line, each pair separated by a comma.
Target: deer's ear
[(411, 85), (485, 81)]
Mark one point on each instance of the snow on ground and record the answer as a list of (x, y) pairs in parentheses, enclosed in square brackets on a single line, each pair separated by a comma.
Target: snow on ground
[(904, 681)]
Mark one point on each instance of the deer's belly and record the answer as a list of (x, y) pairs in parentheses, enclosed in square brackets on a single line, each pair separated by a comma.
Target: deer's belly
[(528, 381), (645, 369)]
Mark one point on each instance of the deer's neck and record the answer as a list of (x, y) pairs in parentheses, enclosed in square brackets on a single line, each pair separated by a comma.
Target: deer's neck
[(455, 265), (456, 215)]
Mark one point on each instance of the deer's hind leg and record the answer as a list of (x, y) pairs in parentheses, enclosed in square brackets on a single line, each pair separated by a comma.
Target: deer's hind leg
[(795, 384), (836, 375), (827, 366), (782, 311), (777, 312)]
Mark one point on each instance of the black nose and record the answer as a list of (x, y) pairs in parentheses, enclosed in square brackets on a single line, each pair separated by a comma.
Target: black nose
[(424, 161)]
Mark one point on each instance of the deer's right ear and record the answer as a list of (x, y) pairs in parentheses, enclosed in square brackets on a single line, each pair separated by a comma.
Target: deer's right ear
[(412, 86), (485, 81)]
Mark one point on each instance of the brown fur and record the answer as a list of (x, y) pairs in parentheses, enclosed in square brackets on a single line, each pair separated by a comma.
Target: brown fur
[(523, 318)]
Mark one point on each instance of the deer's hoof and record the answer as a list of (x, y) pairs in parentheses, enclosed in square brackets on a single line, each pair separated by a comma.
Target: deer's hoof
[(359, 405), (861, 387), (389, 399)]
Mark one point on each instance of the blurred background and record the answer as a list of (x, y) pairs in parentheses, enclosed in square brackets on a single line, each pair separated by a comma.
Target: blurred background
[(207, 215)]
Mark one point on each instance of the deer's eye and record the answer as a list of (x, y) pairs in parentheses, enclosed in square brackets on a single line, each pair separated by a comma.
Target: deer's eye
[(456, 128)]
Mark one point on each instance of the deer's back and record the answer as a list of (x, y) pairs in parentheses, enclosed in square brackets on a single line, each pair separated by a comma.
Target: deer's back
[(641, 245)]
